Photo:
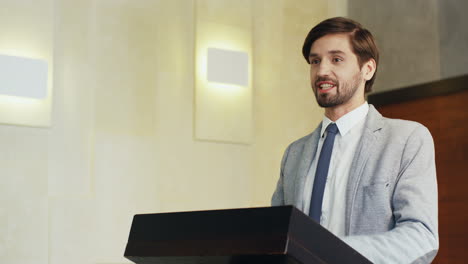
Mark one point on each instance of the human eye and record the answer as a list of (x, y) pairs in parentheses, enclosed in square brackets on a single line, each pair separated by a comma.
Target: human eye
[(337, 59), (314, 61)]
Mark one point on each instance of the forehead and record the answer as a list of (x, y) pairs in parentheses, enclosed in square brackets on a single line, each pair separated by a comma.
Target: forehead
[(332, 42)]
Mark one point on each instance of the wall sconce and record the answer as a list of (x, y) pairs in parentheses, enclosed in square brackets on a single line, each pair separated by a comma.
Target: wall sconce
[(23, 77), (223, 105), (227, 66), (25, 91)]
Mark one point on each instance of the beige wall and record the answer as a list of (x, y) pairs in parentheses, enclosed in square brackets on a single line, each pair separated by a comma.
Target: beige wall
[(121, 140), (285, 107), (407, 36), (420, 41)]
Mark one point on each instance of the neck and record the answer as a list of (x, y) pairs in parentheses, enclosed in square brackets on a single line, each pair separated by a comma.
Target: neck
[(336, 112)]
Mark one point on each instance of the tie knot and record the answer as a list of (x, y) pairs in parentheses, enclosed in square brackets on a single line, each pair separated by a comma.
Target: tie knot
[(332, 128)]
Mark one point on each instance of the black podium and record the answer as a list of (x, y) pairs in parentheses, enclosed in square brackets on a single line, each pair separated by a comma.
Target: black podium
[(273, 235)]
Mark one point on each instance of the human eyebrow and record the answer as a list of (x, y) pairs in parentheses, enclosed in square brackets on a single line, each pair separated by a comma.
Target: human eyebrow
[(311, 55), (339, 52)]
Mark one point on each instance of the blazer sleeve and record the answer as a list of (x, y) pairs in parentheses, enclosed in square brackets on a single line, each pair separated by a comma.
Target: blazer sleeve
[(414, 239), (278, 196)]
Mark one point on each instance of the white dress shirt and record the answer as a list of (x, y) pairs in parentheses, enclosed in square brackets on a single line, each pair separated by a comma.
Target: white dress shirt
[(350, 128)]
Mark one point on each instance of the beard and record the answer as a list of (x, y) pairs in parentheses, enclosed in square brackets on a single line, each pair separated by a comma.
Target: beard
[(344, 91)]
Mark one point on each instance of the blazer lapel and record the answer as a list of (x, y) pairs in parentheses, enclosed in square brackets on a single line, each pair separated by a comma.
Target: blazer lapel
[(308, 154), (374, 123)]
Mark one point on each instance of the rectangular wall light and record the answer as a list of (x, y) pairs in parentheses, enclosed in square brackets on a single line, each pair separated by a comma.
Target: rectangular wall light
[(23, 77), (226, 66), (223, 106)]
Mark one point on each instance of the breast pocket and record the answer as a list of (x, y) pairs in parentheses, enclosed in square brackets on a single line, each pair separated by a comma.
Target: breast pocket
[(375, 208), (377, 190)]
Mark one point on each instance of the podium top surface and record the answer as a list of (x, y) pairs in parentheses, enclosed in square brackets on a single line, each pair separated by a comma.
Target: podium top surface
[(280, 234)]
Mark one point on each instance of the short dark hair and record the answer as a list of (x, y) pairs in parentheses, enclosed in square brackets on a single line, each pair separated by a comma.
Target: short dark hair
[(362, 41)]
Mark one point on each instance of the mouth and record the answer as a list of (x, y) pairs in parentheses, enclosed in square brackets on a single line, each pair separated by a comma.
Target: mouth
[(324, 87)]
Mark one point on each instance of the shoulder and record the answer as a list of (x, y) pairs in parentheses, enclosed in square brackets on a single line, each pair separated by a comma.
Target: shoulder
[(404, 139), (405, 129), (301, 146), (396, 129), (307, 139)]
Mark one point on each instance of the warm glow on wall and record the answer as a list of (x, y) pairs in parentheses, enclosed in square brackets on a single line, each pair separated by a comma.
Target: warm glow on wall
[(223, 94)]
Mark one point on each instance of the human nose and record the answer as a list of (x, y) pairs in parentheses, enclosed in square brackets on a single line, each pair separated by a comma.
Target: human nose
[(324, 68)]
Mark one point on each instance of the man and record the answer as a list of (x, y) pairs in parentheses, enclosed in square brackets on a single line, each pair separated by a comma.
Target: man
[(370, 180)]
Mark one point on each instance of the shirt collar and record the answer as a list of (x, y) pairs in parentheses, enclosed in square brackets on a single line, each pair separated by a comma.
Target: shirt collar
[(348, 121)]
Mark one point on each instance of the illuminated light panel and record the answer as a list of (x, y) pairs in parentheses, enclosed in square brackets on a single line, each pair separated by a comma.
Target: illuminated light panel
[(227, 66), (23, 77), (223, 112)]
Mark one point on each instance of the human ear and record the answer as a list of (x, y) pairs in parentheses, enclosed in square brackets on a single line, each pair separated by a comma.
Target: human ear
[(368, 69)]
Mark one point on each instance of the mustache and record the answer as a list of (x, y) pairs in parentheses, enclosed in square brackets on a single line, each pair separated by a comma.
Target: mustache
[(325, 79)]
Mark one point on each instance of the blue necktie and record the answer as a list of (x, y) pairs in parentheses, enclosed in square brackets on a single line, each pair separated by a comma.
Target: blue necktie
[(315, 210)]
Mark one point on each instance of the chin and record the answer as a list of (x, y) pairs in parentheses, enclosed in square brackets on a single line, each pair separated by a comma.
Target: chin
[(327, 104), (324, 100)]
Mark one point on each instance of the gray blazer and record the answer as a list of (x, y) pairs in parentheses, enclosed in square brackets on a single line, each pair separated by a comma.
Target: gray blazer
[(391, 197)]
